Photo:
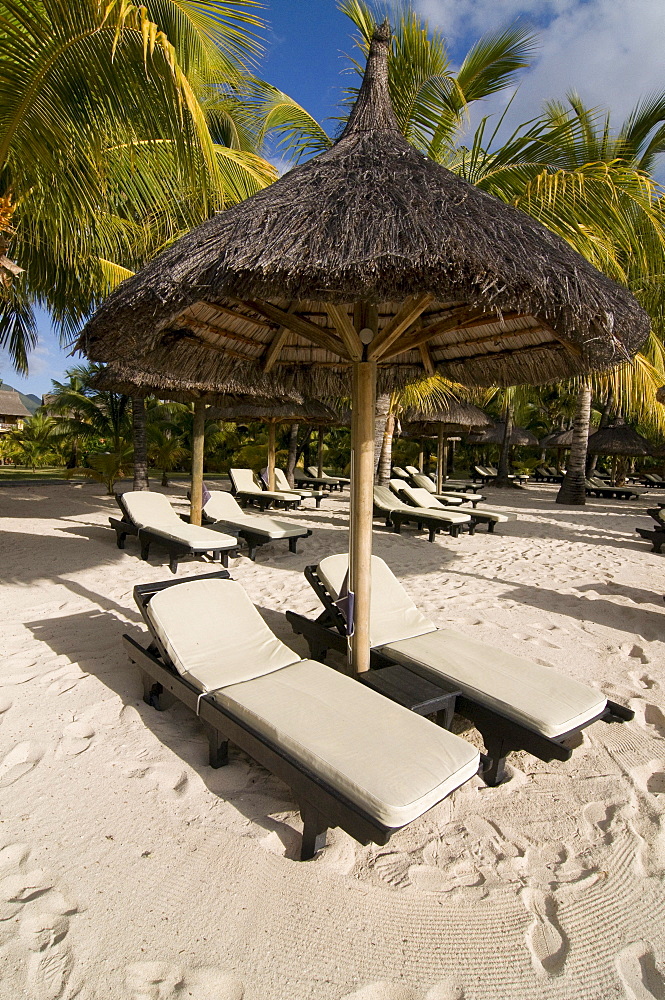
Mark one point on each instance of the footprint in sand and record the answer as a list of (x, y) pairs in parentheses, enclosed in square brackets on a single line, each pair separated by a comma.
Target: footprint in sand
[(165, 776), (5, 705), (655, 718), (638, 973), (50, 963), (596, 820), (18, 762), (545, 940), (62, 680), (164, 980), (383, 990), (644, 681), (76, 738)]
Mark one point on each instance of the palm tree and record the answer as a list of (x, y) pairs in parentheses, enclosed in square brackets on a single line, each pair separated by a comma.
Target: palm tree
[(35, 442), (105, 150), (165, 447)]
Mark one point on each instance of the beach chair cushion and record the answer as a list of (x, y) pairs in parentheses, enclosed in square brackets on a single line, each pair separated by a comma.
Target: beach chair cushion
[(389, 761), (243, 482), (534, 696), (422, 498), (153, 511), (282, 484), (212, 650), (225, 509)]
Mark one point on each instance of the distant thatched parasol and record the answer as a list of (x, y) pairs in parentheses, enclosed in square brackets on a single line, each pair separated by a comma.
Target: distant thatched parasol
[(557, 439), (520, 436), (457, 417), (369, 255), (618, 439)]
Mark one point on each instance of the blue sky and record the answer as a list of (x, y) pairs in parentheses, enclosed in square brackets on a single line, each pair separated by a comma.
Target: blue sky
[(610, 51)]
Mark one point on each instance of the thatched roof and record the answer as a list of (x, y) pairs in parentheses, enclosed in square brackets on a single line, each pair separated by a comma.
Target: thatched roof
[(494, 435), (139, 380), (11, 405), (369, 234), (249, 409), (559, 439), (457, 416), (618, 440)]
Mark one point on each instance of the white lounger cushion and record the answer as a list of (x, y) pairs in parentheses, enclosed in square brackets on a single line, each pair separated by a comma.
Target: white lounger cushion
[(393, 614), (534, 696), (153, 510), (427, 501), (445, 514), (282, 483), (226, 510), (243, 481), (388, 761), (398, 486), (214, 635)]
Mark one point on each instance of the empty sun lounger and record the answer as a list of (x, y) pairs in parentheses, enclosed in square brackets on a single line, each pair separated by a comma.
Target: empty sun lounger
[(248, 491), (397, 485), (597, 488), (654, 535), (150, 516), (302, 478), (396, 513), (421, 498), (282, 484), (351, 757), (423, 482), (258, 529), (515, 704), (340, 481), (654, 480)]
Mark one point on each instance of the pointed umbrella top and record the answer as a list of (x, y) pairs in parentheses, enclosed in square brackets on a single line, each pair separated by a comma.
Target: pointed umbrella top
[(456, 281)]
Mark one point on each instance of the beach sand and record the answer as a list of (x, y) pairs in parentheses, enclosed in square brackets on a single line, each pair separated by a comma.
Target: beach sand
[(130, 870)]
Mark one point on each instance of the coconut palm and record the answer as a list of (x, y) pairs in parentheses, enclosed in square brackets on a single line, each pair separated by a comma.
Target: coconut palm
[(105, 150), (35, 443)]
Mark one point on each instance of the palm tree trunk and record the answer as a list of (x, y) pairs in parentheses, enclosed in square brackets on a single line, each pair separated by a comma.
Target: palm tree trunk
[(140, 444), (386, 458), (504, 458), (293, 454), (319, 452), (572, 489), (380, 421)]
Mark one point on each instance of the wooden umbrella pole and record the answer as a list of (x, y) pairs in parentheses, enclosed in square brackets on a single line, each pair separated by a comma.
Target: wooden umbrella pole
[(362, 500), (439, 460), (271, 454), (198, 438), (421, 456), (319, 453)]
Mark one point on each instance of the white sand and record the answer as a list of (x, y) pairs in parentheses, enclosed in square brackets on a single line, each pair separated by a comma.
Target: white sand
[(130, 869)]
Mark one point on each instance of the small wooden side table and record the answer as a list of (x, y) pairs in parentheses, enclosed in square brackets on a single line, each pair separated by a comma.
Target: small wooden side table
[(414, 692)]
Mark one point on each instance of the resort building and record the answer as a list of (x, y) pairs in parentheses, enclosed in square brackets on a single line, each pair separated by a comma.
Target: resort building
[(12, 411)]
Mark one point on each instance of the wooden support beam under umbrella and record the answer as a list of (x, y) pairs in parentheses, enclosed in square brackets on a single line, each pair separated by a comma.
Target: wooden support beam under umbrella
[(369, 263), (456, 417)]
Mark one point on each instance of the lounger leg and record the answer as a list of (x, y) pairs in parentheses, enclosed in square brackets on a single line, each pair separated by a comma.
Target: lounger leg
[(472, 527), (490, 526), (432, 534), (224, 559), (145, 550), (317, 501), (293, 544), (252, 552), (218, 747), (494, 772), (120, 537), (314, 832), (155, 695), (173, 563)]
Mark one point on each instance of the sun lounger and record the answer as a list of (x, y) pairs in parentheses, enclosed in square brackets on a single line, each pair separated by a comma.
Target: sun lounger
[(516, 704), (481, 515), (545, 474), (258, 529), (150, 516), (597, 488), (423, 482), (397, 484), (302, 478), (248, 491), (654, 480), (654, 535), (282, 484), (396, 513), (339, 481), (351, 757), (398, 473)]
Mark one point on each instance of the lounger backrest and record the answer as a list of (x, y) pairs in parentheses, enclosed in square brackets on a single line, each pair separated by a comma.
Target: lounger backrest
[(422, 498), (396, 486), (423, 482), (385, 499), (150, 510), (411, 469), (281, 482), (399, 473), (223, 507), (214, 635), (393, 615), (492, 471), (243, 481)]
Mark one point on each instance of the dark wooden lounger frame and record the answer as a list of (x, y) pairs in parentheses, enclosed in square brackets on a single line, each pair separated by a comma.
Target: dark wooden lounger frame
[(255, 540), (263, 501), (148, 537), (321, 806), (500, 735), (313, 481), (396, 518), (654, 535)]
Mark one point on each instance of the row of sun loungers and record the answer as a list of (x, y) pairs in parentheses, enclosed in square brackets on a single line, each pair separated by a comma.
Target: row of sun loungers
[(597, 488), (324, 733), (547, 474)]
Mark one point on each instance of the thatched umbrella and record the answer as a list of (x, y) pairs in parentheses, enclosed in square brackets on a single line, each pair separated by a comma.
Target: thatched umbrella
[(456, 417), (369, 256), (520, 437), (618, 440), (249, 409)]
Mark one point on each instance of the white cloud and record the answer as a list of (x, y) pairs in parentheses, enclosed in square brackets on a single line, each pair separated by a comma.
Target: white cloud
[(610, 52)]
